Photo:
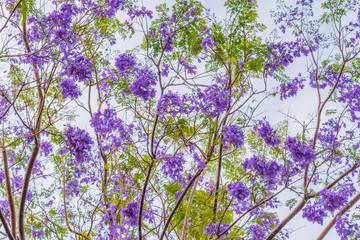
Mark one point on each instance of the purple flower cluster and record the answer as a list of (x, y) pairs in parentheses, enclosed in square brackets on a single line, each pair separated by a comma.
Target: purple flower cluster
[(139, 12), (345, 228), (125, 64), (110, 128), (290, 89), (328, 201), (213, 101), (69, 89), (190, 70), (233, 135), (78, 142), (216, 229), (314, 214), (268, 170), (170, 103), (79, 69), (238, 190), (141, 87), (131, 212), (112, 6), (173, 166), (207, 43), (350, 97), (301, 153), (267, 134)]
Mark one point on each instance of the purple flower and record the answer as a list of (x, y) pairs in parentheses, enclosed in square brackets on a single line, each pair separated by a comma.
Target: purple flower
[(69, 89), (213, 101), (79, 69), (190, 70), (314, 214), (233, 135), (141, 87), (131, 212), (216, 229), (78, 142), (259, 167), (111, 128), (207, 42), (345, 228), (173, 166), (267, 134), (238, 190), (290, 89), (301, 153), (125, 64), (170, 103)]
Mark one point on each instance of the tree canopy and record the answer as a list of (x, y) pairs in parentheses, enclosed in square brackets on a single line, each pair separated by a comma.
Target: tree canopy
[(169, 139)]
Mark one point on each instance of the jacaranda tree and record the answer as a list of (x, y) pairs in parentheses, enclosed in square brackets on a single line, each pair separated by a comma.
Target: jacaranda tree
[(167, 140)]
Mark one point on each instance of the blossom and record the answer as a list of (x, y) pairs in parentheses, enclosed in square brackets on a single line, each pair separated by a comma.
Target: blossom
[(213, 101), (79, 69), (170, 103), (78, 142), (173, 166), (141, 87), (125, 64), (267, 133), (238, 190), (69, 89), (257, 165), (301, 153), (216, 228), (131, 212), (233, 135)]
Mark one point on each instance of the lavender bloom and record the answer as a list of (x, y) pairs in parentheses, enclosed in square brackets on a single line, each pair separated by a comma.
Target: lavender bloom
[(301, 153), (141, 87), (131, 212), (69, 89), (79, 69), (125, 64), (233, 135), (345, 228), (78, 142), (238, 190), (207, 42), (258, 165), (109, 127), (139, 12), (314, 214), (173, 167), (170, 103), (267, 134), (190, 70), (215, 229), (290, 89), (214, 101)]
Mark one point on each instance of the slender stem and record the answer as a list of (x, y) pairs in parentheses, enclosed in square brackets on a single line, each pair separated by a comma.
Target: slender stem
[(5, 225), (9, 193), (143, 192), (177, 205), (184, 233), (35, 150), (278, 228)]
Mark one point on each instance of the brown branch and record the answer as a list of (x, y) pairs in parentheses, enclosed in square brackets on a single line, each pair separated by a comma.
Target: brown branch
[(9, 193), (143, 192), (6, 226), (35, 150), (177, 205), (12, 12)]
